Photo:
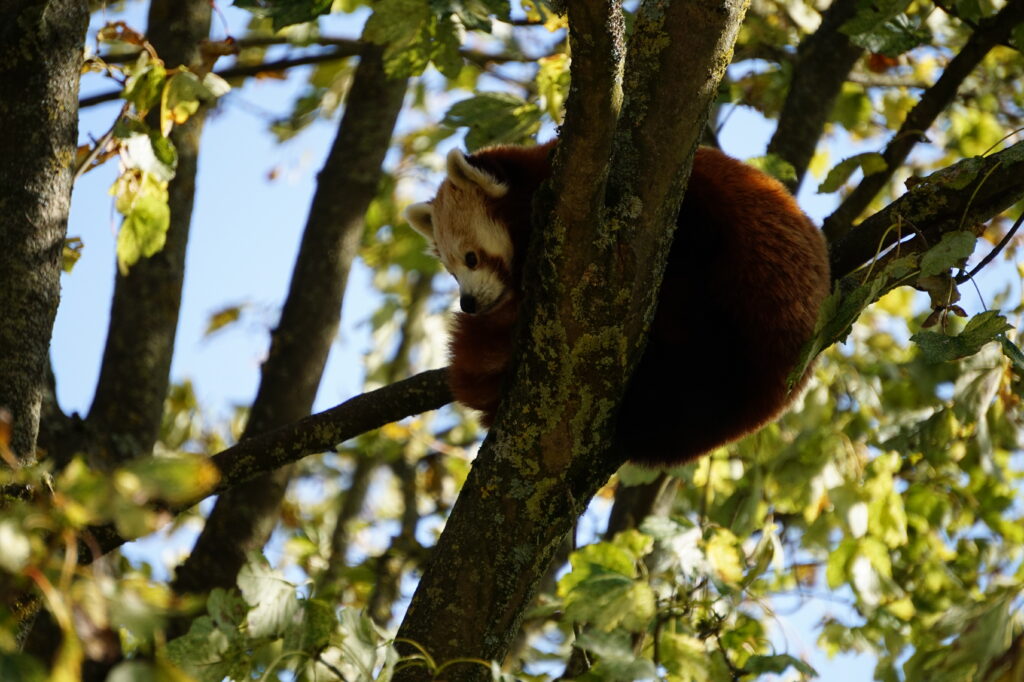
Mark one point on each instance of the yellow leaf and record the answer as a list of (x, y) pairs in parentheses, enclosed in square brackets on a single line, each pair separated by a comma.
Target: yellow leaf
[(724, 556)]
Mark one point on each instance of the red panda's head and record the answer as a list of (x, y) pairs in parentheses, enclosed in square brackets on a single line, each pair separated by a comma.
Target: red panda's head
[(463, 227)]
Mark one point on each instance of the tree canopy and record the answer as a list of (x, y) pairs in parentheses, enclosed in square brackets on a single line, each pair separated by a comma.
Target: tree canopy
[(389, 536)]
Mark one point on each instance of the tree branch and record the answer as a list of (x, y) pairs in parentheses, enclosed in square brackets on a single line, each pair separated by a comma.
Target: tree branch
[(316, 433), (823, 62), (991, 32), (344, 48), (957, 197)]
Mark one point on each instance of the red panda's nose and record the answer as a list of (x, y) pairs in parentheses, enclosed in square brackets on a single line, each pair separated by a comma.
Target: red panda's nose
[(468, 303)]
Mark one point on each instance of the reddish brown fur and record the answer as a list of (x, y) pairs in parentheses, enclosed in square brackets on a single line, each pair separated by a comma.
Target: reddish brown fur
[(746, 275)]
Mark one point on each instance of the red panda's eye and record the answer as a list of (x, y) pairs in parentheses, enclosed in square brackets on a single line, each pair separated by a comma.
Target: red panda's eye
[(471, 261)]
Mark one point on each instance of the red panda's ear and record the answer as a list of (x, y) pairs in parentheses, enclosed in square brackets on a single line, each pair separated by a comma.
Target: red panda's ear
[(421, 218), (465, 175)]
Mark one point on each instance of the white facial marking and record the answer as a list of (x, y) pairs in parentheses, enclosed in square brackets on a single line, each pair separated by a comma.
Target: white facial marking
[(462, 225)]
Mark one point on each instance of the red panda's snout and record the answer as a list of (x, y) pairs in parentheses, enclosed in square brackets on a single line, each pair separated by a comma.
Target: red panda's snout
[(484, 300), (483, 287)]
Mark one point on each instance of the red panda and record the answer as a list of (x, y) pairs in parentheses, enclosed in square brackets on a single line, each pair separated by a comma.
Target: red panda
[(746, 275)]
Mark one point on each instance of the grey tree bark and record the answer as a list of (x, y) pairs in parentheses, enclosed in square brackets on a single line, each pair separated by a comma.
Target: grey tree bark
[(40, 60)]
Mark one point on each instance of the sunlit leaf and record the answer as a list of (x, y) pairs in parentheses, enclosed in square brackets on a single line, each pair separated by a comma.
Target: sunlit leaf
[(145, 83), (71, 252), (142, 200), (775, 166), (869, 162), (224, 318), (553, 84), (273, 599)]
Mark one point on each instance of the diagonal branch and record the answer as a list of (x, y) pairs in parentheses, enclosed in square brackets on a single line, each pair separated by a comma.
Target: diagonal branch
[(969, 192), (316, 433), (991, 32)]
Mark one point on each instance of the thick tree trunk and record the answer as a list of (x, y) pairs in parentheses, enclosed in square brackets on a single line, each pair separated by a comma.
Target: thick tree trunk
[(550, 450), (40, 61)]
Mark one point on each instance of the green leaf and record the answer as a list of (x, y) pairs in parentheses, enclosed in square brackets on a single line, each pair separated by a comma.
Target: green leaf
[(314, 631), (88, 493), (494, 118), (610, 600), (145, 82), (151, 153), (71, 252), (616, 671), (869, 162), (1014, 353), (143, 203), (227, 608), (871, 14), (845, 304), (632, 474), (724, 556), (214, 647), (853, 108), (286, 12), (173, 479), (759, 665), (775, 166), (204, 651), (413, 37), (273, 599), (982, 329), (1017, 37), (362, 642), (553, 84), (839, 561), (684, 656), (894, 37), (224, 318), (476, 15), (594, 559), (887, 519), (182, 97), (952, 250), (22, 667), (617, 661)]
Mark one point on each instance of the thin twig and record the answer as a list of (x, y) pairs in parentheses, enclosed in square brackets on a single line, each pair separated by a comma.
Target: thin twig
[(960, 279)]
